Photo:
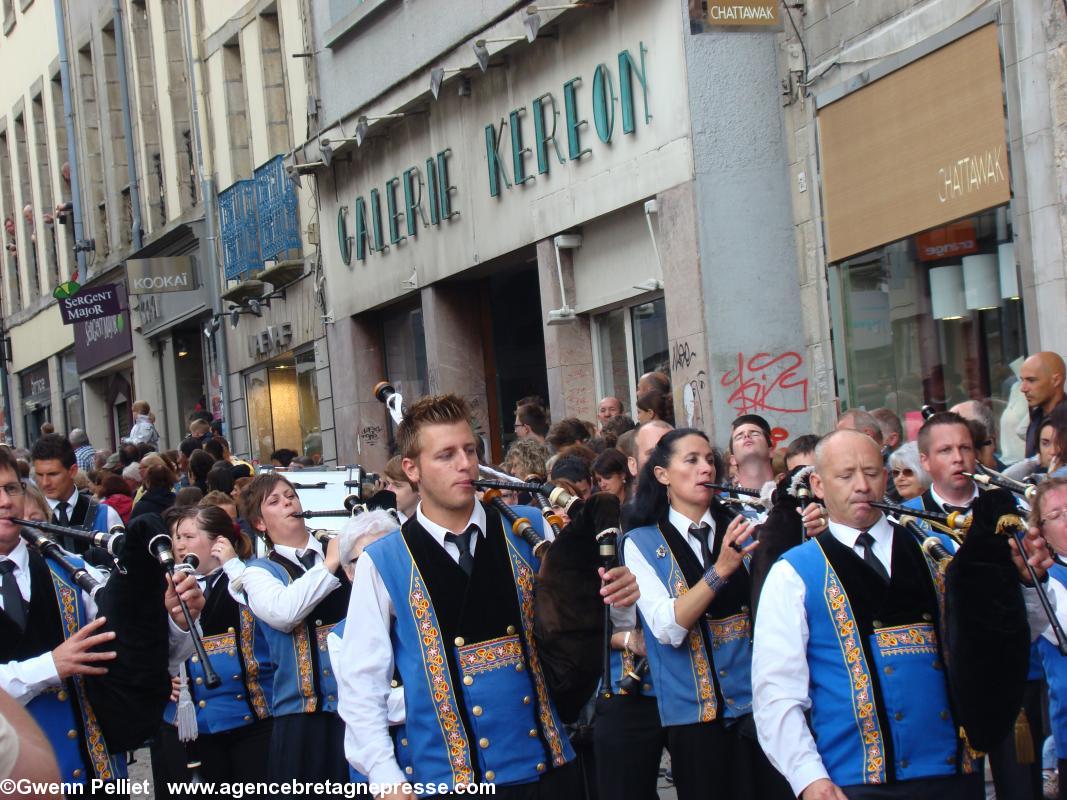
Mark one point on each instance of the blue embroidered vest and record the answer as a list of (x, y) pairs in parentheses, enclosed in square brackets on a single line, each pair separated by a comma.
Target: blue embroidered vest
[(880, 705), (1056, 674), (476, 701), (236, 643), (710, 674), (623, 665), (64, 713), (304, 682)]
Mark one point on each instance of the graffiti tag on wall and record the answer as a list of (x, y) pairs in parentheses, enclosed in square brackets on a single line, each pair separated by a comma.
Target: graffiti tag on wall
[(767, 383)]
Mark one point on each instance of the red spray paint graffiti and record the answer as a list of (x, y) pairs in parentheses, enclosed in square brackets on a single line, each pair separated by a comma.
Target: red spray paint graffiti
[(766, 382)]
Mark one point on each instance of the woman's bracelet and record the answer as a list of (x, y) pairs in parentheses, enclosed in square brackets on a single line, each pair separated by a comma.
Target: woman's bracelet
[(714, 580)]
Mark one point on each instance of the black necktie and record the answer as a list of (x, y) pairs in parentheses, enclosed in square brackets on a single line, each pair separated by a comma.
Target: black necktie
[(61, 515), (702, 533), (866, 541), (307, 559), (463, 542), (12, 595)]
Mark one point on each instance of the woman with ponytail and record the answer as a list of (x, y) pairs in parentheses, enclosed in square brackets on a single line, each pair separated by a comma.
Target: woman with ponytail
[(688, 553)]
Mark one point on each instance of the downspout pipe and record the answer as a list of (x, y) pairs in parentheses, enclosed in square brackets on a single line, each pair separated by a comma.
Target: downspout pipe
[(210, 199), (72, 141), (127, 125)]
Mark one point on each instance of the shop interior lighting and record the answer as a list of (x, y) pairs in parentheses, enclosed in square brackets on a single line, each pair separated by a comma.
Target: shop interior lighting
[(437, 77), (1009, 276), (981, 281), (183, 349), (482, 53), (946, 292)]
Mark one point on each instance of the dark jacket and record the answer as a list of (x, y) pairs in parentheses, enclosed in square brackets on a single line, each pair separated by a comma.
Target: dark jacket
[(1037, 417), (154, 501)]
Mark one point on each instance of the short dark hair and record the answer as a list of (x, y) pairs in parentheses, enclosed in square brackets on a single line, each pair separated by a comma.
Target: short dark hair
[(8, 461), (54, 446), (570, 468), (980, 434), (567, 431), (220, 477), (159, 476), (615, 427), (802, 445), (215, 448), (753, 419), (200, 463), (940, 418), (283, 455), (188, 445), (533, 416), (611, 462), (256, 492), (658, 403)]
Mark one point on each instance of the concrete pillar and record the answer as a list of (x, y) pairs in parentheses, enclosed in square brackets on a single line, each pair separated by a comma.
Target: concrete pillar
[(679, 249), (452, 320), (357, 363), (568, 347)]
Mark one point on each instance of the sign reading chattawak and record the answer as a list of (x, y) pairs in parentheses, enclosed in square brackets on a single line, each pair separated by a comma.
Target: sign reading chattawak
[(739, 14)]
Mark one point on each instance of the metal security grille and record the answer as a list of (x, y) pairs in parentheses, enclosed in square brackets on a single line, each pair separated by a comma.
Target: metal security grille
[(238, 229), (276, 204)]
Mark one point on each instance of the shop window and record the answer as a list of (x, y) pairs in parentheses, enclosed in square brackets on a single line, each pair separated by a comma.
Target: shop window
[(932, 319), (36, 400), (73, 415), (630, 341), (405, 350), (283, 407)]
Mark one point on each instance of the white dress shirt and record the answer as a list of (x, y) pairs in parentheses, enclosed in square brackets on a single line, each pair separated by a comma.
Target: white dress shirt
[(283, 606), (941, 501), (113, 517), (780, 675), (364, 683), (24, 680), (655, 602)]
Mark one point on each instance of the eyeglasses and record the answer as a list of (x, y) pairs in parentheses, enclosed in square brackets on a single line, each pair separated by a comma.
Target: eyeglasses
[(14, 489), (903, 473), (1053, 515)]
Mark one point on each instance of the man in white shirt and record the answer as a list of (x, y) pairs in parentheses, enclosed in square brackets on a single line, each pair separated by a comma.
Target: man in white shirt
[(946, 452), (54, 468), (47, 651), (846, 648), (447, 602)]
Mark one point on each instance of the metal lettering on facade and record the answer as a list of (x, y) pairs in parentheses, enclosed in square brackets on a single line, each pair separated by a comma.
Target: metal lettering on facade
[(272, 339), (545, 119)]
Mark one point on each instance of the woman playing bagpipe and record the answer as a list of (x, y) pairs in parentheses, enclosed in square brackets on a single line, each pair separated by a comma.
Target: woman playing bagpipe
[(688, 555), (88, 659), (298, 592), (226, 729)]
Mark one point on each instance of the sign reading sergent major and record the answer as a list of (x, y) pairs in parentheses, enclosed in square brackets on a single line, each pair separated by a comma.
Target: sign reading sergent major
[(155, 275), (90, 303)]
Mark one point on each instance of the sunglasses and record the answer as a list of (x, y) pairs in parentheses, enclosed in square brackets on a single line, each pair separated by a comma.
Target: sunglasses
[(903, 473)]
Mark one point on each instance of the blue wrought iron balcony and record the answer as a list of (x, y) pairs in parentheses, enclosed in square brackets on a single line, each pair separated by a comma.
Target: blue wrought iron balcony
[(259, 220)]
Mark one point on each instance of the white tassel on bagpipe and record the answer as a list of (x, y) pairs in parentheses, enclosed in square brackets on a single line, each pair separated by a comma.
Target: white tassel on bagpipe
[(186, 716)]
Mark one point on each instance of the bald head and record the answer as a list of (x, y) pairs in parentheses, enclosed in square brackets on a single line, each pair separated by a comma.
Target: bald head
[(1042, 380), (645, 441), (848, 475), (858, 420)]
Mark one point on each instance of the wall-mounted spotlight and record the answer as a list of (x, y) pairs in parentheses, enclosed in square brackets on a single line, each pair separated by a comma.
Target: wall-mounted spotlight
[(482, 53), (363, 125), (437, 77), (531, 21)]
